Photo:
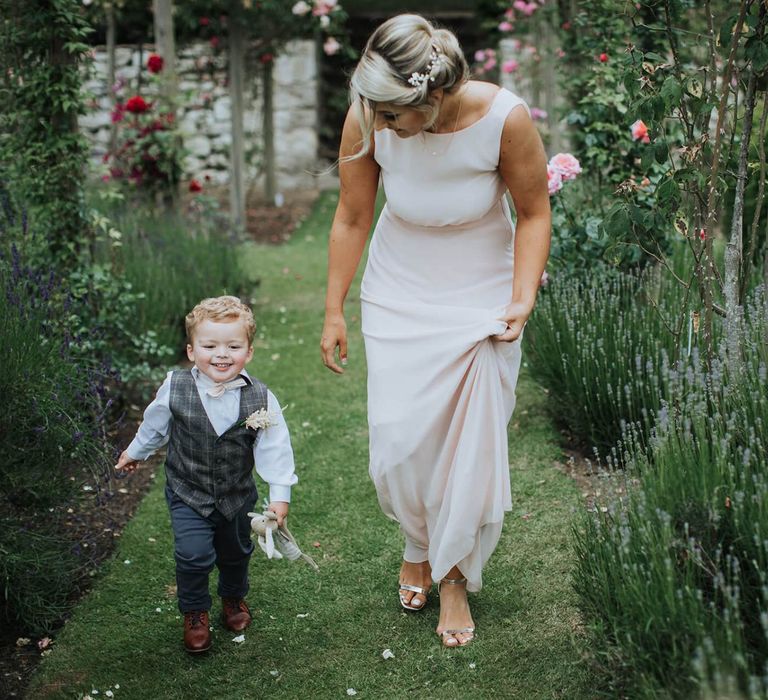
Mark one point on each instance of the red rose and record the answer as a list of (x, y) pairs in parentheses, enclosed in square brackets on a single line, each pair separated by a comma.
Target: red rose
[(204, 21), (136, 105), (266, 58), (195, 186), (155, 63), (603, 58), (214, 41)]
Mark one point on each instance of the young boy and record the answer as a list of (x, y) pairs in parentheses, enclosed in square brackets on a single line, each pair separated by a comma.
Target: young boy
[(200, 413)]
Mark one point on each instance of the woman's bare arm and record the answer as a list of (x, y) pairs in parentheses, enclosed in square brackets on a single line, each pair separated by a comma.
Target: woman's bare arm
[(358, 180), (523, 166)]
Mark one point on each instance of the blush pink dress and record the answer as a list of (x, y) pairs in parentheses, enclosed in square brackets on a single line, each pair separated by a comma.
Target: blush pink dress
[(441, 390)]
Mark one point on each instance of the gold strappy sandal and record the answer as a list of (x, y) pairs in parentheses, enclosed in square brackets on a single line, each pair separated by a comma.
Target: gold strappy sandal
[(463, 630), (414, 589)]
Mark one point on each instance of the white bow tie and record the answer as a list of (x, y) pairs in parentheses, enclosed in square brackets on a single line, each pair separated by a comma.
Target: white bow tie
[(218, 389)]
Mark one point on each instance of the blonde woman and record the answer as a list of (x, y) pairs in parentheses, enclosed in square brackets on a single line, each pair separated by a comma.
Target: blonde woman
[(443, 306)]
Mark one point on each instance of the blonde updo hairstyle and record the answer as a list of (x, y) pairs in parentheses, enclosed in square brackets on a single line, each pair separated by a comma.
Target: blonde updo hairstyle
[(400, 47)]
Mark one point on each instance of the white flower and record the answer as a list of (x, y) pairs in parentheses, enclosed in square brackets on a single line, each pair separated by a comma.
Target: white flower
[(301, 8), (260, 419), (325, 21)]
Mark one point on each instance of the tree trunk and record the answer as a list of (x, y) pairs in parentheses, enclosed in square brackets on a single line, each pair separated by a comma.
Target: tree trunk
[(236, 83), (165, 45), (270, 178), (111, 76), (734, 249)]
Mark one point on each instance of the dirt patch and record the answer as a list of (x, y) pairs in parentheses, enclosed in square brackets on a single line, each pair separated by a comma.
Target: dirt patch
[(267, 223)]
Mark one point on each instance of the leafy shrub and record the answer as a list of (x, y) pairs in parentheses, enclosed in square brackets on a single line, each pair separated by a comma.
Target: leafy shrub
[(673, 571), (52, 427)]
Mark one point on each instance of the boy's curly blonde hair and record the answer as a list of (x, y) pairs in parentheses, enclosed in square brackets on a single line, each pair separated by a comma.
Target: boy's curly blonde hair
[(225, 308)]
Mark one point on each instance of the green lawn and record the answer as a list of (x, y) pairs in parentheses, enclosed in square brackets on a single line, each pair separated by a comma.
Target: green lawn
[(318, 635)]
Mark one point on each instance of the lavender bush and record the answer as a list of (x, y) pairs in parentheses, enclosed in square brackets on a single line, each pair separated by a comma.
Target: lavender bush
[(673, 567)]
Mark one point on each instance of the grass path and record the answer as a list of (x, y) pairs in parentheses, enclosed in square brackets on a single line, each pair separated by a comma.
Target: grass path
[(318, 635)]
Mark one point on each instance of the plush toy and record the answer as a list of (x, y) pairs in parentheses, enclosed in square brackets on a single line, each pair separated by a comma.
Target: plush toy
[(277, 542)]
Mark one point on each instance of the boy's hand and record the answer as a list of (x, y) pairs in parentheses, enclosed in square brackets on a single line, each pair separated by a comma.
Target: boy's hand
[(126, 464), (280, 509)]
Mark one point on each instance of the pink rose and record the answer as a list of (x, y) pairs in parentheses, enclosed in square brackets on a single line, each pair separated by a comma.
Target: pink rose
[(480, 55), (489, 64), (537, 113), (559, 53), (331, 46), (640, 131), (566, 165), (544, 279), (505, 26), (554, 181), (510, 66), (323, 7)]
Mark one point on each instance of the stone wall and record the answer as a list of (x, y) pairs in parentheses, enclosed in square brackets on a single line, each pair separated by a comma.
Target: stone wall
[(204, 115)]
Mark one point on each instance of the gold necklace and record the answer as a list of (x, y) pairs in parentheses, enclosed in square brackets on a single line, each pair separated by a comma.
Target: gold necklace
[(453, 133)]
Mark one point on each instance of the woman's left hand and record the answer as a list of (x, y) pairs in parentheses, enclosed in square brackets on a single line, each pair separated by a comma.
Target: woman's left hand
[(515, 316)]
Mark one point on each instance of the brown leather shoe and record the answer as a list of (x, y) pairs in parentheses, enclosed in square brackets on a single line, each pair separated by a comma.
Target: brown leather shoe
[(197, 632), (235, 613)]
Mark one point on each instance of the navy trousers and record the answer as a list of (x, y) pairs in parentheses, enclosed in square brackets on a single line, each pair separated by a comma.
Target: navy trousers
[(199, 544)]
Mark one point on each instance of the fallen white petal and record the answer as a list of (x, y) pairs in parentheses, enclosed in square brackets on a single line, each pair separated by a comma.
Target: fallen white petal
[(158, 610), (274, 672), (473, 665), (109, 694), (387, 654), (87, 488), (239, 639), (302, 615), (127, 561), (351, 691)]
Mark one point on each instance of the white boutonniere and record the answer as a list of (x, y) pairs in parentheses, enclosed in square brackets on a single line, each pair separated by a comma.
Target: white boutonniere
[(260, 419), (263, 418)]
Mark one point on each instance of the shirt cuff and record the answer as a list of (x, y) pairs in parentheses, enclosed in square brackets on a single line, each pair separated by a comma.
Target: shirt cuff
[(278, 492), (138, 453)]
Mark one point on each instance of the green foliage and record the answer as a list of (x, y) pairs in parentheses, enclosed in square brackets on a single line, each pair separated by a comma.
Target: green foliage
[(52, 432), (42, 155), (673, 563), (38, 572)]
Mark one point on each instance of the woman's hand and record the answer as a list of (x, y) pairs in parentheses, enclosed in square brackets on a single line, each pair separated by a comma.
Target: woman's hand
[(334, 335), (515, 316)]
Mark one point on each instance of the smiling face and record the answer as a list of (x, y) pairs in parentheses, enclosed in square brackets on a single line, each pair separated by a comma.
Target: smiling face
[(404, 121), (220, 349)]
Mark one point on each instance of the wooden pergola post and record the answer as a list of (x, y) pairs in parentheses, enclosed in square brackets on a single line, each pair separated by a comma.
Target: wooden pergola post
[(236, 88)]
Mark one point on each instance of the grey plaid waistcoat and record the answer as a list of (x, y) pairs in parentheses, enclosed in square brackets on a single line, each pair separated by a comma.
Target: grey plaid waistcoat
[(209, 471)]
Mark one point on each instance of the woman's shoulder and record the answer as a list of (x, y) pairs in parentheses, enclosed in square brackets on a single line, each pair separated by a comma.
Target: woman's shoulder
[(479, 96)]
